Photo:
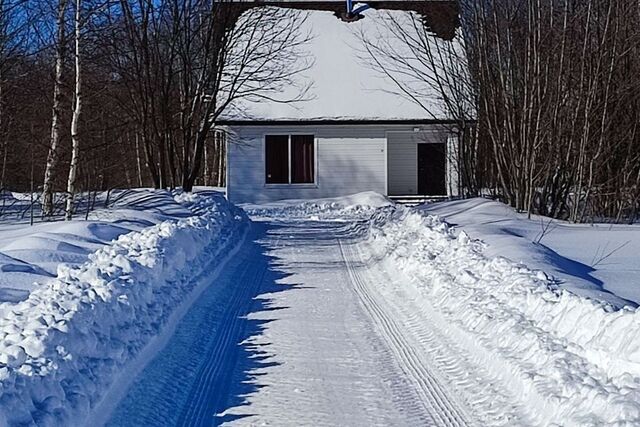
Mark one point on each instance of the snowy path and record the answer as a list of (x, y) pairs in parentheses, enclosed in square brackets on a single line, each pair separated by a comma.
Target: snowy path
[(303, 328)]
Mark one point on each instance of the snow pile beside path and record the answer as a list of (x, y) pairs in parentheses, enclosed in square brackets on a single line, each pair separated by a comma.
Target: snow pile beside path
[(62, 347), (30, 254), (599, 261), (360, 205), (574, 360)]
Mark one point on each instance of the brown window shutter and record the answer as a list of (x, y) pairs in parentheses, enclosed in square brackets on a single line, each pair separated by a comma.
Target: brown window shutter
[(277, 159), (302, 159)]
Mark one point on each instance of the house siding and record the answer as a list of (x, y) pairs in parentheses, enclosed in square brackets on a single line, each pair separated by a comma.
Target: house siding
[(349, 159), (402, 164), (402, 167)]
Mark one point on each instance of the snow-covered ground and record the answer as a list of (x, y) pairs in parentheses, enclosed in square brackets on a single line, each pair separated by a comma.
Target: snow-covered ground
[(105, 290), (566, 359), (600, 261), (356, 312), (348, 311), (32, 254)]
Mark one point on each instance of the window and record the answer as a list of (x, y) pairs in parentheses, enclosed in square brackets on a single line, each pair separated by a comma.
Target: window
[(289, 159), (302, 159), (277, 155)]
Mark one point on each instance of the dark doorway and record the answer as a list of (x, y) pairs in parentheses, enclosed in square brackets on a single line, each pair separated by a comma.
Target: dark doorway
[(431, 169)]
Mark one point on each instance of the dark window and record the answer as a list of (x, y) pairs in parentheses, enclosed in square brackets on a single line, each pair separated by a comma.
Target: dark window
[(278, 162), (302, 159), (277, 159), (432, 162)]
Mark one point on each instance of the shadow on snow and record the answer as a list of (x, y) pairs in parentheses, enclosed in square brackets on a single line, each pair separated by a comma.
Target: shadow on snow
[(209, 365)]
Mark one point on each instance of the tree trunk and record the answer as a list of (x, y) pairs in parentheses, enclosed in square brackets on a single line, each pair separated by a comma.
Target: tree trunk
[(75, 121), (221, 159), (197, 160), (138, 160), (52, 157), (2, 136), (125, 163), (207, 172)]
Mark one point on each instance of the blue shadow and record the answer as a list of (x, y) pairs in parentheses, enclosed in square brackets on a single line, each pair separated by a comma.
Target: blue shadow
[(208, 366)]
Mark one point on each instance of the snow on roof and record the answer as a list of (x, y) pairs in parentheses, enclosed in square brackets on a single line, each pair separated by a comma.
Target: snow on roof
[(344, 86)]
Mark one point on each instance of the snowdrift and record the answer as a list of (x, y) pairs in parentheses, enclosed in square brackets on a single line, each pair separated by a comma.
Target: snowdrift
[(574, 361), (30, 254), (598, 261), (63, 346), (360, 205)]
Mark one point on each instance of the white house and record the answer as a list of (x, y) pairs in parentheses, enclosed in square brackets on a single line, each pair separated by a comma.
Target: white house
[(356, 134)]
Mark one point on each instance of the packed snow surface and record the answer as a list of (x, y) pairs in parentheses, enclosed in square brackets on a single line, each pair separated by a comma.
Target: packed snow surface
[(388, 316), (75, 333)]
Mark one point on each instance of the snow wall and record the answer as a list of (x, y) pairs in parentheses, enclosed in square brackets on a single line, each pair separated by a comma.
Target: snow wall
[(573, 360), (65, 345)]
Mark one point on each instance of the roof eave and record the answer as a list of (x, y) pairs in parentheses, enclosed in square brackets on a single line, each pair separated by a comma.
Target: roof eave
[(326, 122)]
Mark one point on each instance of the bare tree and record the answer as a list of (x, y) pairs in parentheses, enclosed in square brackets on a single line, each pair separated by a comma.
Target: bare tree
[(433, 73), (77, 109), (255, 58), (183, 63), (551, 89), (52, 158), (14, 23), (555, 94)]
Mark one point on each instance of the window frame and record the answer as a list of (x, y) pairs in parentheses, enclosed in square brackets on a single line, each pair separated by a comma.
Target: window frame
[(313, 184)]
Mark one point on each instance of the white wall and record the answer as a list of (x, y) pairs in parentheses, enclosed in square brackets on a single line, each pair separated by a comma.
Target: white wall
[(453, 166), (403, 163), (349, 159), (403, 159)]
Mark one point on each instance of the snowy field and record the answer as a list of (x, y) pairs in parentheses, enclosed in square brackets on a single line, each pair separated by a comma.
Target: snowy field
[(600, 261), (32, 254), (171, 309)]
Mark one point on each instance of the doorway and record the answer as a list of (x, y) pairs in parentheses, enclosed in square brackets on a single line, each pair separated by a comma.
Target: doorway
[(432, 169)]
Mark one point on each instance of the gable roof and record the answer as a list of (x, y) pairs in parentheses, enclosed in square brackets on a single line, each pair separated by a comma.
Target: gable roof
[(344, 86), (439, 16)]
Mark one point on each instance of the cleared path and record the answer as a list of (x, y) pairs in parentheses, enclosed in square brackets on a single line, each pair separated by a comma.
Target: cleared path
[(303, 329)]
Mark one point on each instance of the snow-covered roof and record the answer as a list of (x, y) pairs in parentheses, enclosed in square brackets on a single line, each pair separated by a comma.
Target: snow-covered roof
[(344, 86)]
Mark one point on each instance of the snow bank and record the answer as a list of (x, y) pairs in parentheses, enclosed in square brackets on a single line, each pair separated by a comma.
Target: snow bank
[(361, 205), (599, 261), (30, 254), (575, 361), (62, 347)]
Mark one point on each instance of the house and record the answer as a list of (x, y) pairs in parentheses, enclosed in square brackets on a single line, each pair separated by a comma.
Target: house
[(355, 134)]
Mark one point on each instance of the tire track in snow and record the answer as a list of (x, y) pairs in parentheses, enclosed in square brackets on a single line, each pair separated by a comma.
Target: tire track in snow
[(482, 389), (188, 380), (200, 397), (438, 401), (354, 336), (331, 367)]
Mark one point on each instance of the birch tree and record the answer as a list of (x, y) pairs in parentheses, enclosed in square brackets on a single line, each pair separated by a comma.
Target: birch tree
[(77, 109), (54, 141)]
